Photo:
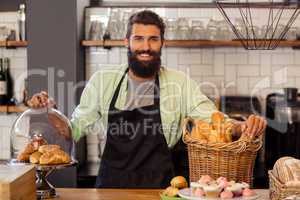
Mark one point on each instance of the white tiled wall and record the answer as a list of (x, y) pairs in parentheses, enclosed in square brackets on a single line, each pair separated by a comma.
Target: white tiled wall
[(18, 58), (231, 71)]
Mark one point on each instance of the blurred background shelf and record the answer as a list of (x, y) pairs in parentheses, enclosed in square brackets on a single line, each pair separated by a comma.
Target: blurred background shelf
[(13, 109), (13, 43), (186, 43), (153, 3)]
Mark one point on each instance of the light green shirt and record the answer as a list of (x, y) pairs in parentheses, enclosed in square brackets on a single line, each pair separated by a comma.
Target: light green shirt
[(180, 97)]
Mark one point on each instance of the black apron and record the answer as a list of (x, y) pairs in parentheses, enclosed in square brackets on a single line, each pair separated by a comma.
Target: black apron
[(136, 154)]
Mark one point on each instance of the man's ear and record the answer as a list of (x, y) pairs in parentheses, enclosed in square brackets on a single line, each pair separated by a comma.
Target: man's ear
[(126, 42)]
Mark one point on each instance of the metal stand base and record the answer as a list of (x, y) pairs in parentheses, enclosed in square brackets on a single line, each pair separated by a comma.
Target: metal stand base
[(44, 189)]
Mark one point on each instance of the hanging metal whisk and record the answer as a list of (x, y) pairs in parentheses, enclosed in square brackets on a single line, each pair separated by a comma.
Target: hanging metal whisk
[(259, 24)]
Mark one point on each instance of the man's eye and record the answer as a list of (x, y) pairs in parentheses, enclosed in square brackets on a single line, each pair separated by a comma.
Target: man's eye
[(138, 38), (155, 39)]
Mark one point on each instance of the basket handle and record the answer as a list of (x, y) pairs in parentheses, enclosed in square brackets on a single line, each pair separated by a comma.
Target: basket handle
[(185, 131)]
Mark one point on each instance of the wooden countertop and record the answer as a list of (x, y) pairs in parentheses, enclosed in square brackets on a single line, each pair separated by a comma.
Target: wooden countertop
[(117, 194)]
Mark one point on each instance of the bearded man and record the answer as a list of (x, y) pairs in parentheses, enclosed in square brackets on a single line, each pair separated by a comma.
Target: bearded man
[(142, 106)]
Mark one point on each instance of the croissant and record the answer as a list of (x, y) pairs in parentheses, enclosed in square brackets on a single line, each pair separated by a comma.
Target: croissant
[(48, 147), (54, 157), (24, 157), (35, 157)]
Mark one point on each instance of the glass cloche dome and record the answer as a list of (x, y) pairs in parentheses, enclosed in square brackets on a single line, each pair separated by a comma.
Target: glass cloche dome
[(46, 124)]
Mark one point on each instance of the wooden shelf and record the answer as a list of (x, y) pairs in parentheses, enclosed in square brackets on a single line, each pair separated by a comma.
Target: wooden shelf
[(186, 43), (13, 43), (13, 109), (153, 4)]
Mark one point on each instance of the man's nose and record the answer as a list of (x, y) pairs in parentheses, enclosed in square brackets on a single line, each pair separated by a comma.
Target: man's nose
[(146, 45)]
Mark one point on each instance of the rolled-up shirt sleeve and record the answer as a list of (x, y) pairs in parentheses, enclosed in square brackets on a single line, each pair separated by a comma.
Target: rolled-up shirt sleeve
[(198, 105), (88, 111)]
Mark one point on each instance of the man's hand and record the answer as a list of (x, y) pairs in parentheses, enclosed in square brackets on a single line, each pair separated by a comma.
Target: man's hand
[(253, 126), (41, 100)]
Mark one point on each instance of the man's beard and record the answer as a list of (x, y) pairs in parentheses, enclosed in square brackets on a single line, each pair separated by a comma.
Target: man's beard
[(141, 68)]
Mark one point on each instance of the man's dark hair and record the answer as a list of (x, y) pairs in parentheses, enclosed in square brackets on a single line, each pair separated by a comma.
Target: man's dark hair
[(146, 17)]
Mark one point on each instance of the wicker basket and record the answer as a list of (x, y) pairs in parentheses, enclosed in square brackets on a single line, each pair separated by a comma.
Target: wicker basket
[(279, 191), (233, 160)]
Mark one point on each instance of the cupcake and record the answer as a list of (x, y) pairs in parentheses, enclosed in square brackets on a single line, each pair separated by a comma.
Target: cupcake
[(236, 189), (245, 185), (223, 183), (205, 179), (230, 183), (212, 191), (248, 192), (221, 178), (226, 195), (199, 192), (197, 185)]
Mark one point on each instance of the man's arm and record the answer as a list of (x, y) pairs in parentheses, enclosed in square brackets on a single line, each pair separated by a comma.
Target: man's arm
[(88, 111), (198, 106)]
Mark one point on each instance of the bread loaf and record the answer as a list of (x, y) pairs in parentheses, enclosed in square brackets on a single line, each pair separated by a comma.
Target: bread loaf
[(287, 170), (218, 131)]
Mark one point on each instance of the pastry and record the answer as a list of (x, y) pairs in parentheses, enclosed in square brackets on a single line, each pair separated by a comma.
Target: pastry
[(35, 157), (23, 157), (218, 131), (29, 149), (49, 147), (179, 182), (223, 184), (170, 191), (199, 192), (236, 189), (206, 179), (195, 185), (197, 134), (248, 192), (38, 141), (226, 195), (54, 157), (212, 191), (245, 185)]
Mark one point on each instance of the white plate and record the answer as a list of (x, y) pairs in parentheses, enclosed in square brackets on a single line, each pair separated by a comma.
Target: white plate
[(187, 194)]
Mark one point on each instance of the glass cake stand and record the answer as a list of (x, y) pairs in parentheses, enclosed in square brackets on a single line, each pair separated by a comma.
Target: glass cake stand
[(50, 125)]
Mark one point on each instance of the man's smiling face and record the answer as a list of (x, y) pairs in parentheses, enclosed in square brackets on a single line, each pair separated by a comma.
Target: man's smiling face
[(144, 50)]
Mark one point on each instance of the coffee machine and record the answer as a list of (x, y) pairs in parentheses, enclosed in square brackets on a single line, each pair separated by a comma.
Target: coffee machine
[(283, 131)]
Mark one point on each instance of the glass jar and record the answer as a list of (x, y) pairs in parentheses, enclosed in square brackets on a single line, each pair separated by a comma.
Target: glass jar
[(292, 33), (183, 33), (198, 31), (171, 29)]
